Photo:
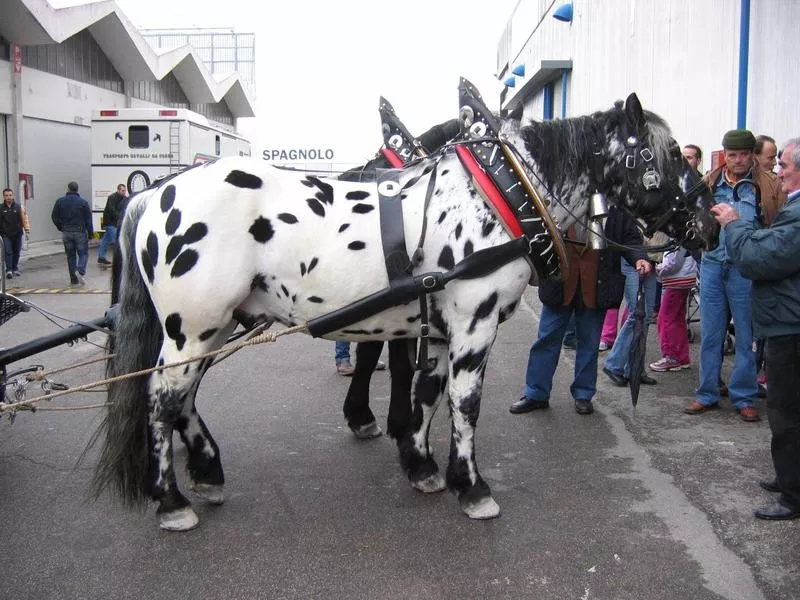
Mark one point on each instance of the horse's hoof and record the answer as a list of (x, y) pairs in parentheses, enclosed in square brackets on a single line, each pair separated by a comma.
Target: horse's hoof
[(212, 493), (485, 508), (182, 519), (368, 431), (430, 485)]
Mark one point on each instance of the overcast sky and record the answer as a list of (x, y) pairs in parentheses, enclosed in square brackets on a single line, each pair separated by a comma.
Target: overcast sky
[(322, 65)]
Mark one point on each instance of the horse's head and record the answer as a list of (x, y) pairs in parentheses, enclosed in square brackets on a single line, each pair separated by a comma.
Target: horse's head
[(655, 182), (628, 155)]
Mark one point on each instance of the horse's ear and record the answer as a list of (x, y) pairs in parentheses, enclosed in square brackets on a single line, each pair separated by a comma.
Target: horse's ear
[(634, 112)]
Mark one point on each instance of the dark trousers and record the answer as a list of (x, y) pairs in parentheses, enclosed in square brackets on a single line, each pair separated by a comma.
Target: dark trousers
[(783, 411), (76, 247), (13, 248)]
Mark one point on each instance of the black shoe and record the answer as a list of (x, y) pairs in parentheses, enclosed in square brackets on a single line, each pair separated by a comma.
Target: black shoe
[(584, 407), (645, 379), (617, 380), (771, 485), (569, 344), (103, 261), (526, 404), (777, 511)]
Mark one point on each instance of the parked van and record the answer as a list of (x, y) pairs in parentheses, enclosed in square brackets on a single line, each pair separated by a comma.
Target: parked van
[(136, 146)]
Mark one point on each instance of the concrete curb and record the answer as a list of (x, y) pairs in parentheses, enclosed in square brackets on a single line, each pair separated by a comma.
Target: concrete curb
[(47, 248)]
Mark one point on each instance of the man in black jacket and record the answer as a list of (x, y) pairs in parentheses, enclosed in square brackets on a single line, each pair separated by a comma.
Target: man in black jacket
[(768, 257), (593, 284), (111, 214), (12, 223), (73, 218)]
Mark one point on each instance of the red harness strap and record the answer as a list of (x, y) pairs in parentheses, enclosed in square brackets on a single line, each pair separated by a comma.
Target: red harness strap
[(490, 191), (392, 157)]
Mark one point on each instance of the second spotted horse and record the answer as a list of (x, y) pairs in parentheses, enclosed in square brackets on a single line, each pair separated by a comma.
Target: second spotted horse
[(400, 148), (291, 252)]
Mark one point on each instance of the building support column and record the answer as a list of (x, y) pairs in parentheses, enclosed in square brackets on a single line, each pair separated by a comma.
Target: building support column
[(744, 59), (14, 123)]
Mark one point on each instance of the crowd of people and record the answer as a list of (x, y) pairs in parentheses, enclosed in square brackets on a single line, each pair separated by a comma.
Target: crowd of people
[(752, 278)]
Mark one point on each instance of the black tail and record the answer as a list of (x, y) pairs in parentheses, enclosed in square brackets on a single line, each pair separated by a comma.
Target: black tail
[(123, 434)]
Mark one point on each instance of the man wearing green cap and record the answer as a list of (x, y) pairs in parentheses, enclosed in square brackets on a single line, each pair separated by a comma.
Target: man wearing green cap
[(722, 287)]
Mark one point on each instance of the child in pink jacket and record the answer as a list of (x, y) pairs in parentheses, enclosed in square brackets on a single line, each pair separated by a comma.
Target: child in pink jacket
[(678, 275)]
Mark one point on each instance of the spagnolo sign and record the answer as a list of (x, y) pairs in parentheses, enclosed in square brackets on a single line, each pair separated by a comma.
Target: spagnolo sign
[(297, 154)]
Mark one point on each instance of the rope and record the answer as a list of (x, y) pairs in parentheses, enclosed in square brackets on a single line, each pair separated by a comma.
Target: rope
[(266, 336), (40, 374)]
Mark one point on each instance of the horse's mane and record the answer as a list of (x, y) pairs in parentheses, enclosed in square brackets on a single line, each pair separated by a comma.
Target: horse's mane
[(438, 135), (562, 148)]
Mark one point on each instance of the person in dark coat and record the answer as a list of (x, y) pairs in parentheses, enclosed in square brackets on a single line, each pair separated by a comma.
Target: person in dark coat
[(73, 218), (111, 215), (594, 283), (769, 258)]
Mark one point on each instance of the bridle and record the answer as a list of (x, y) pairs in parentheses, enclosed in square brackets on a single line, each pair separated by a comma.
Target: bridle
[(638, 156)]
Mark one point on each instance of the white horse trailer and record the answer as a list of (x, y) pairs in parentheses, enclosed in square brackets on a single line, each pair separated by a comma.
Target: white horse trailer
[(136, 146)]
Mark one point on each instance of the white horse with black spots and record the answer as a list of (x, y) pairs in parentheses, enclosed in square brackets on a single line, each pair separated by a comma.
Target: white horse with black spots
[(240, 241)]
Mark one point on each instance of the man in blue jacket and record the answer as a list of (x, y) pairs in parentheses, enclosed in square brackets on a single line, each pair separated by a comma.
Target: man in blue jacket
[(771, 259), (73, 218)]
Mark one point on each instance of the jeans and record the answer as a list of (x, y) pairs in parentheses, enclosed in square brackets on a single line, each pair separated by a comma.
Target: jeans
[(783, 411), (721, 288), (546, 350), (617, 361), (672, 325), (109, 238), (342, 352), (76, 247), (12, 245), (569, 335)]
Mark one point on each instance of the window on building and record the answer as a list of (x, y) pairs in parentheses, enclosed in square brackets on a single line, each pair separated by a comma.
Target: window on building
[(216, 145), (549, 96), (138, 136)]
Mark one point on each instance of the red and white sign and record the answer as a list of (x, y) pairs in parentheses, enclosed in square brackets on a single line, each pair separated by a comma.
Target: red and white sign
[(17, 59)]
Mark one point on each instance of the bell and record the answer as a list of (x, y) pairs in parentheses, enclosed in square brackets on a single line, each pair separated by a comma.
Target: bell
[(595, 229)]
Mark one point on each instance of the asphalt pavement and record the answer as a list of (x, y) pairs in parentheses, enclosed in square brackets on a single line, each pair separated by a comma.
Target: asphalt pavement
[(607, 506)]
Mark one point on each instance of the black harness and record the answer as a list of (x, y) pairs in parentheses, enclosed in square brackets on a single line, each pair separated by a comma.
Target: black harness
[(404, 286), (508, 191)]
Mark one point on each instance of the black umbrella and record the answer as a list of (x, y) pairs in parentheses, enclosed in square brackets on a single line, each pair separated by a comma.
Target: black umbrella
[(638, 348)]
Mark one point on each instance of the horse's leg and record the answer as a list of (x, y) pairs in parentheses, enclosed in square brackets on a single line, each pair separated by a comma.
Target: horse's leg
[(469, 353), (357, 413), (415, 453), (402, 371), (168, 391), (204, 461)]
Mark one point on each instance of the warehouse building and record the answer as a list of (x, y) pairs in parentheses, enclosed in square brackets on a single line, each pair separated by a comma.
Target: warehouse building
[(57, 65), (706, 66)]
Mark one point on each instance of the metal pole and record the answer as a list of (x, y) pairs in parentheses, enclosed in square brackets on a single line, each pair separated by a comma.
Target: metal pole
[(744, 54), (70, 334)]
